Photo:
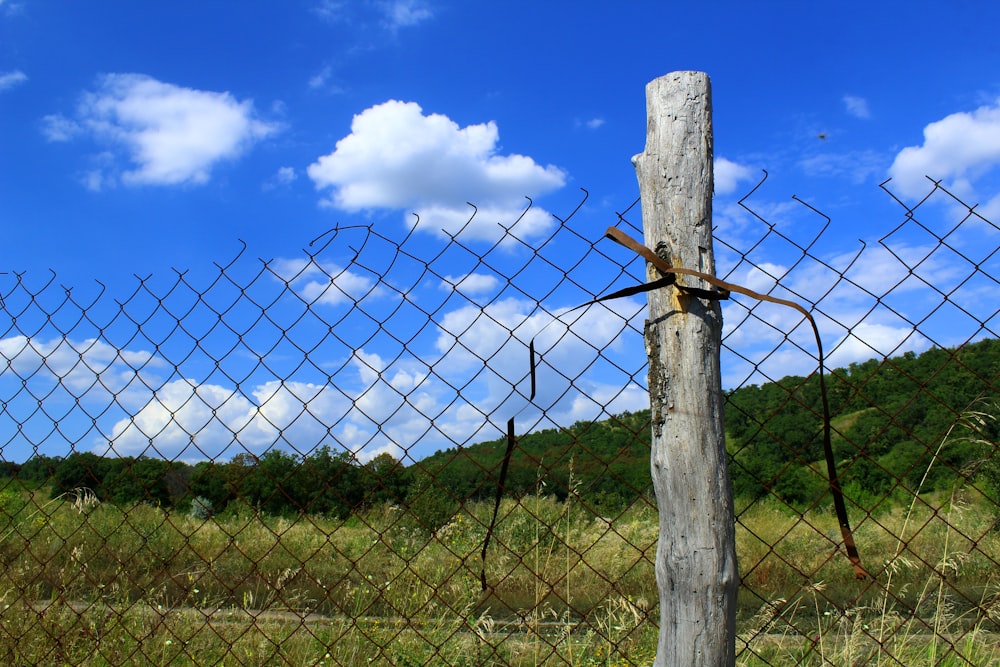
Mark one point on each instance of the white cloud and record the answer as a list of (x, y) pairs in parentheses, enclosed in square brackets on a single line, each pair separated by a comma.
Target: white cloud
[(607, 398), (857, 106), (59, 128), (398, 158), (867, 340), (590, 123), (188, 419), (320, 79), (869, 313), (391, 15), (384, 399), (567, 345), (181, 415), (471, 283), (404, 13), (729, 175), (328, 283), (776, 342), (169, 134), (991, 209), (959, 149), (10, 79), (80, 366), (185, 419), (283, 177)]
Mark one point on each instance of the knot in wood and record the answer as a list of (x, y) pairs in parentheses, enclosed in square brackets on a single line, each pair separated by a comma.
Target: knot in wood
[(663, 252)]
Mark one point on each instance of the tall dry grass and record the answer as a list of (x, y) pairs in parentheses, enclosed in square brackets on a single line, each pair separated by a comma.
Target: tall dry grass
[(90, 583), (934, 598)]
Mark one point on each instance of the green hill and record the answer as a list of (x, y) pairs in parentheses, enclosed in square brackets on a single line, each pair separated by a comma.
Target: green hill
[(889, 419)]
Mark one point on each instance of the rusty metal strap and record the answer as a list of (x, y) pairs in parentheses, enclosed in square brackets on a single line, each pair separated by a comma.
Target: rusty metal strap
[(725, 288), (511, 442)]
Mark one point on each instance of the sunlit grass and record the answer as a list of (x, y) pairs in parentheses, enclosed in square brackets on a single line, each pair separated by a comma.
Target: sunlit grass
[(934, 595), (96, 584)]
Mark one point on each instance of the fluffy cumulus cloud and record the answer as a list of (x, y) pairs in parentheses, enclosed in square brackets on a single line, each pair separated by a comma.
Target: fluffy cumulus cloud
[(79, 366), (168, 134), (184, 419), (127, 407), (365, 398), (397, 157), (325, 283), (962, 149), (870, 312), (374, 405), (866, 341), (491, 345)]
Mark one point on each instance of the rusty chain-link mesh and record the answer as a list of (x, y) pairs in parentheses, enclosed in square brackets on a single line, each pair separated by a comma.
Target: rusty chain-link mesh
[(293, 461), (915, 438)]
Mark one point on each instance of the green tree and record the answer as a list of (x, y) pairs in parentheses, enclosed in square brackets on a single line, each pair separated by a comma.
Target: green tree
[(77, 471)]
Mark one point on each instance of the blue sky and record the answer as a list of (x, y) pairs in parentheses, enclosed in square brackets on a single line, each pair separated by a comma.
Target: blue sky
[(138, 137)]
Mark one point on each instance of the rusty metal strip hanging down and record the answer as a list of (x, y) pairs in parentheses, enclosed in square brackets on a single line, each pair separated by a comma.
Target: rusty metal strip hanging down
[(723, 290), (511, 442)]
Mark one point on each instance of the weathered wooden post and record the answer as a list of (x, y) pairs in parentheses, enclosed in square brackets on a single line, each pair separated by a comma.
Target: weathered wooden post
[(696, 570)]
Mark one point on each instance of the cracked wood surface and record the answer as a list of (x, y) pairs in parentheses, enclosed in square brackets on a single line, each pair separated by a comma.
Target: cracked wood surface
[(696, 569)]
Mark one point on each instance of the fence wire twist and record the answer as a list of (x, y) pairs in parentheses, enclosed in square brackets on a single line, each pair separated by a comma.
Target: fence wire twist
[(292, 461)]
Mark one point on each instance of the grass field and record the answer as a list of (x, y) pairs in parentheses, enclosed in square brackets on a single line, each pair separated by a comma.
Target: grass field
[(88, 583)]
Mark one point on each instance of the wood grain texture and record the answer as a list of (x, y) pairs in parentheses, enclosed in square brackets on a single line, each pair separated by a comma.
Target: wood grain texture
[(696, 569)]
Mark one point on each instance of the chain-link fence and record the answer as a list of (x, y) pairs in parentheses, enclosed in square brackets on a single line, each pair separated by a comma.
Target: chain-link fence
[(914, 393), (296, 461)]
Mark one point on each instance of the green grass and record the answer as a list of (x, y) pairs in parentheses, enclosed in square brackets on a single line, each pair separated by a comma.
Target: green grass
[(935, 594), (94, 584)]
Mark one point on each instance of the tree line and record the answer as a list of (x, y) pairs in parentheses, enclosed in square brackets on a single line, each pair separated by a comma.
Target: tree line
[(889, 417), (277, 482)]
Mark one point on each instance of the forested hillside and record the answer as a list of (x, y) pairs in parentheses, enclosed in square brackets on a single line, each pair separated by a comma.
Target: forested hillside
[(889, 419)]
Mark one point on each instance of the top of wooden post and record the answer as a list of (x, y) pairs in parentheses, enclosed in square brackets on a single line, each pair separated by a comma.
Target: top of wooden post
[(675, 169)]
